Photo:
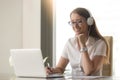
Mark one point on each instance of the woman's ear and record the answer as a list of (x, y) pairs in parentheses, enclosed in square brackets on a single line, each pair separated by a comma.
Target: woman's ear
[(90, 21)]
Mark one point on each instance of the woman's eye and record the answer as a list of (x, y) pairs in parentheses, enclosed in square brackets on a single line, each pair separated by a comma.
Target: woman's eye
[(73, 22), (79, 22)]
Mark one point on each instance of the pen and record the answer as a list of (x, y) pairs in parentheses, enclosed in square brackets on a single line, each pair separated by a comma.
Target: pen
[(48, 65)]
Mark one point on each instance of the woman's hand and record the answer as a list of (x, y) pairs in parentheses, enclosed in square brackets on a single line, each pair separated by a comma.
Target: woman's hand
[(49, 70), (54, 70), (82, 40)]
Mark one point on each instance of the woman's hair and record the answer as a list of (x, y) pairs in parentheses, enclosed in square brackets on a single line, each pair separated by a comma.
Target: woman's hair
[(92, 28)]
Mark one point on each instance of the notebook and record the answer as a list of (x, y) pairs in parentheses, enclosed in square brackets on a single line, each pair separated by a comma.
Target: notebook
[(29, 63)]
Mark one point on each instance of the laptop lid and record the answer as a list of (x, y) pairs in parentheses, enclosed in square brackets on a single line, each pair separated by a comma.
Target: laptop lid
[(28, 62)]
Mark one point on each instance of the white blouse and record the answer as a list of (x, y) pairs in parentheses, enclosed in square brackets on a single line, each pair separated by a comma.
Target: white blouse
[(71, 52)]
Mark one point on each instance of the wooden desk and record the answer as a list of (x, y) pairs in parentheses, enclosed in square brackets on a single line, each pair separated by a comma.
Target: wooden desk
[(12, 77)]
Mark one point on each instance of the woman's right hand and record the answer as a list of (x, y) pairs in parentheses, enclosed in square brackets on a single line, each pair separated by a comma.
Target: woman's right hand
[(49, 70)]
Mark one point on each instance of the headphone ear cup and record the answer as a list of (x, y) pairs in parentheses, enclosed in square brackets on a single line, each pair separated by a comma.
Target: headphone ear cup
[(90, 21)]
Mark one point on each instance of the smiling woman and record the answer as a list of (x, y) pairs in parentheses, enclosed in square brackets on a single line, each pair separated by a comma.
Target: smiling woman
[(103, 16), (87, 50)]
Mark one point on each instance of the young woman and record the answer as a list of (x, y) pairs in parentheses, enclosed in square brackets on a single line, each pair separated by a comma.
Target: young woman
[(87, 51)]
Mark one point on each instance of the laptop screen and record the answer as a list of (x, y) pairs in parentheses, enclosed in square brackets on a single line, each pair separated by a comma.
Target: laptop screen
[(28, 62)]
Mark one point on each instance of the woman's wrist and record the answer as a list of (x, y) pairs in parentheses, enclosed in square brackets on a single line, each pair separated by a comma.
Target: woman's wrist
[(59, 70), (83, 49)]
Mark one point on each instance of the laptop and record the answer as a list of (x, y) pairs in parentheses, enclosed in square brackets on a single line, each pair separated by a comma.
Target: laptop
[(29, 63)]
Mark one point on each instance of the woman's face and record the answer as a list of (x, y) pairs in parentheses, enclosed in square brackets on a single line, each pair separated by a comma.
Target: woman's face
[(79, 24)]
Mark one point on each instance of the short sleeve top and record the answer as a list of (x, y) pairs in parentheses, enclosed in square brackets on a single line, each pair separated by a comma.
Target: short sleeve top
[(71, 52)]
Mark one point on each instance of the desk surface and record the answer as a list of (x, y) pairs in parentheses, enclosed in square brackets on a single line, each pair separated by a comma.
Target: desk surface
[(12, 77)]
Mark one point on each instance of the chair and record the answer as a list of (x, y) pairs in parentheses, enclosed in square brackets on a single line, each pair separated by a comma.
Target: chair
[(107, 68)]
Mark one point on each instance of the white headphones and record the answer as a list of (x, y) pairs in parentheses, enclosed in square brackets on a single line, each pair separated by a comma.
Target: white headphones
[(90, 19)]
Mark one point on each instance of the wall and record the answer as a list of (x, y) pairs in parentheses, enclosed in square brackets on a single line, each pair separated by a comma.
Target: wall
[(31, 24), (19, 28), (10, 31)]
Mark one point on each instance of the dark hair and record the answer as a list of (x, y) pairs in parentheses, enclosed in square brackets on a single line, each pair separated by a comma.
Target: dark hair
[(82, 12)]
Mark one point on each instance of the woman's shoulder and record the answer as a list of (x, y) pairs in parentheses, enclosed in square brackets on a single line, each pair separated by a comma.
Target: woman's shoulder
[(96, 41), (71, 40), (100, 42)]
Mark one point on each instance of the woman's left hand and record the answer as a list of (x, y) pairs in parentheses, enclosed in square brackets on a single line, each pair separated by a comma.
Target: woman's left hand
[(81, 39)]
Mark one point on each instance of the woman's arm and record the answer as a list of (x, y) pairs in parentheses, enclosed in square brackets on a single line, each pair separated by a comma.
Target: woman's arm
[(91, 66), (60, 67)]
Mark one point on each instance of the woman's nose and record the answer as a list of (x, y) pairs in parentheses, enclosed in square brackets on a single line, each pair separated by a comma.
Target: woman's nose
[(76, 25)]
